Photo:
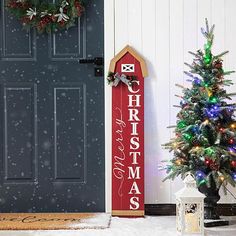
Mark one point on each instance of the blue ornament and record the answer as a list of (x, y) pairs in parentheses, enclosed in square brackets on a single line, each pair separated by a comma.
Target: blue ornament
[(234, 176), (212, 111), (197, 81), (195, 129), (232, 149), (200, 175), (183, 103)]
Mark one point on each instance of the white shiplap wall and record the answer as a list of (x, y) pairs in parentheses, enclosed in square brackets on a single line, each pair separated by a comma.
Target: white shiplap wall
[(163, 31)]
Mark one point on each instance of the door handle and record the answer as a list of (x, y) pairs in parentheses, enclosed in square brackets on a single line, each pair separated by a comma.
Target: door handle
[(98, 61)]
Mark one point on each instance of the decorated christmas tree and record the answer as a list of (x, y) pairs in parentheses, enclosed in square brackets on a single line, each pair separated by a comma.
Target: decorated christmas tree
[(205, 134)]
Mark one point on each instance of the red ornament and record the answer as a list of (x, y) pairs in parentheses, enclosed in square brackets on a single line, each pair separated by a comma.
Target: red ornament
[(221, 129), (214, 166), (208, 161), (233, 163), (231, 141)]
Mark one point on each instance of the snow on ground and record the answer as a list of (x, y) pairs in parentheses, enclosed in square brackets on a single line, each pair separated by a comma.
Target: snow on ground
[(148, 226)]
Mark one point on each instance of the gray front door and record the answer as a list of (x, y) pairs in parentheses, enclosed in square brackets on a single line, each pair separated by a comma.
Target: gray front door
[(51, 117)]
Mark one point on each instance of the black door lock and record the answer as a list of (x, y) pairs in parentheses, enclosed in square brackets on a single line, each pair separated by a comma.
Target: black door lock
[(98, 72), (98, 61)]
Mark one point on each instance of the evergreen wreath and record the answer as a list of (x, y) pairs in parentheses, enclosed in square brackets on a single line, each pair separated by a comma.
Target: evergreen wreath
[(46, 17)]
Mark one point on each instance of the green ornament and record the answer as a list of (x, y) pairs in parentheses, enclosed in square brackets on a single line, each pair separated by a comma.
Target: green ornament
[(207, 59), (207, 46), (203, 181), (206, 85), (187, 136), (181, 124), (213, 100), (209, 151)]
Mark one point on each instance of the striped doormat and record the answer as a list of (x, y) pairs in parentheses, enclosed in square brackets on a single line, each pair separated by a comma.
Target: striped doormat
[(54, 221)]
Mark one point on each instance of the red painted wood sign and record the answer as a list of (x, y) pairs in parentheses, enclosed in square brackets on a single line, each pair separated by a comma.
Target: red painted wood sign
[(128, 135)]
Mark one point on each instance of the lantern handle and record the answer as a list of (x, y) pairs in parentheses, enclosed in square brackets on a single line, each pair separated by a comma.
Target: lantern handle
[(189, 180), (189, 173)]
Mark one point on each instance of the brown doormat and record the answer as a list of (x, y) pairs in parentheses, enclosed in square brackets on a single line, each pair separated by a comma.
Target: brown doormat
[(53, 221)]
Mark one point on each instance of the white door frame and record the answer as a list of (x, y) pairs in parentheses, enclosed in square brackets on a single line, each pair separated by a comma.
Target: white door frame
[(109, 48)]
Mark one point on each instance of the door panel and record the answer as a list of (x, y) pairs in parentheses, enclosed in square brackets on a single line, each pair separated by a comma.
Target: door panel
[(75, 41), (19, 133), (52, 117), (15, 44), (70, 142)]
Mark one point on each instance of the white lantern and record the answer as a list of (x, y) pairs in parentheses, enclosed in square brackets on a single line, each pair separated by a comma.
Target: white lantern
[(190, 209)]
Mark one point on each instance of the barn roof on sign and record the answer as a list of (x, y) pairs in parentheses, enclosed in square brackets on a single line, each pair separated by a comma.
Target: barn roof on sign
[(130, 50)]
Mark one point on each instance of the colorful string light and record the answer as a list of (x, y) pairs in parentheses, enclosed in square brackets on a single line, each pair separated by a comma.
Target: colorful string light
[(197, 81), (234, 176), (233, 126), (213, 99), (187, 136), (222, 178), (231, 141), (233, 163), (200, 175), (181, 124), (209, 151), (212, 111)]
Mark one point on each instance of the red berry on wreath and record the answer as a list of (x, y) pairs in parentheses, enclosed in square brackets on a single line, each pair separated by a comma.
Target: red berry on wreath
[(14, 4), (79, 8), (25, 20), (54, 19), (62, 23)]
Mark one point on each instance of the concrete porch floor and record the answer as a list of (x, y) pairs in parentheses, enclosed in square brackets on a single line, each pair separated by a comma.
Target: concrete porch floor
[(148, 226)]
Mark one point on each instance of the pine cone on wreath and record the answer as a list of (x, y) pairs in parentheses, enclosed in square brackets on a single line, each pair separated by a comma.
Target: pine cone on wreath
[(214, 88), (218, 64)]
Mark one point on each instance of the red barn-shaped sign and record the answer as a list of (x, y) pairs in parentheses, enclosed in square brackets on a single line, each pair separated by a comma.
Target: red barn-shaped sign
[(128, 134)]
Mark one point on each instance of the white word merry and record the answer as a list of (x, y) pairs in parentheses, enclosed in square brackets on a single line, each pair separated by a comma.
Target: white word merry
[(118, 169)]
